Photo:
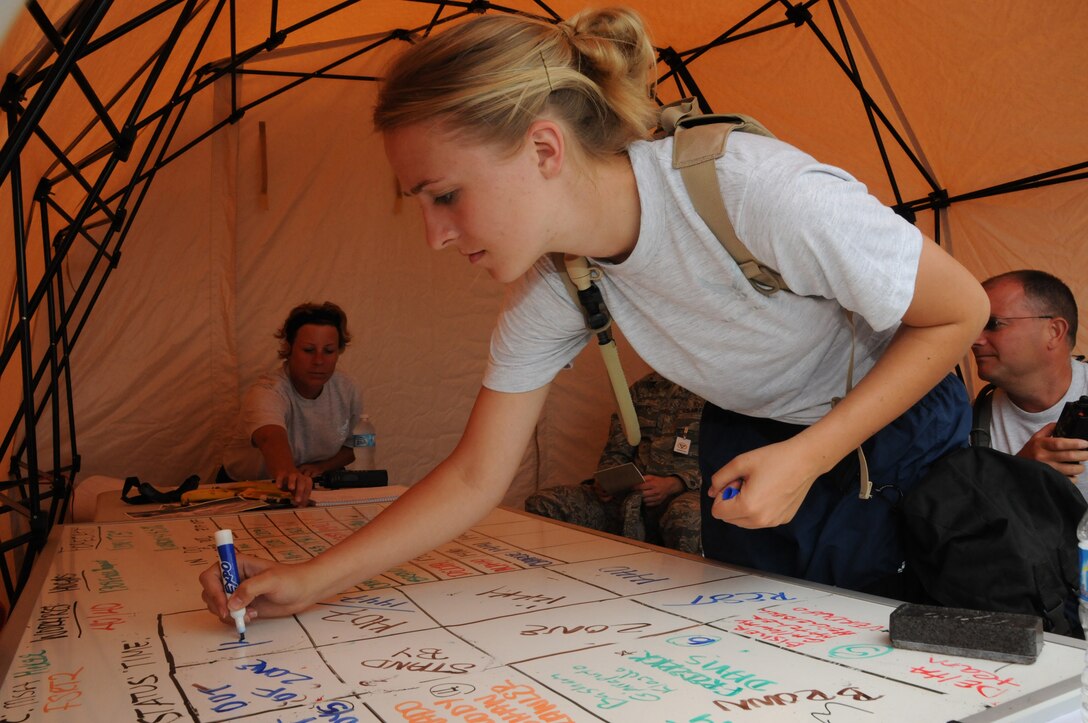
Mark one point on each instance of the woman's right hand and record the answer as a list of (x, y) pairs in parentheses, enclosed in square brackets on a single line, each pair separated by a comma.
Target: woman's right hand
[(298, 483), (271, 439), (269, 589)]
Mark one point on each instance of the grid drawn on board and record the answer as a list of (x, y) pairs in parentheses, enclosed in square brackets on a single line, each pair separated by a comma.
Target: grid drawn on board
[(295, 536), (517, 619), (755, 626)]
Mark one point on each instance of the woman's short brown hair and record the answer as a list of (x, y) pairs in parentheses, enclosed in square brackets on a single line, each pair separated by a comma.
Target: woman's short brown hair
[(326, 314)]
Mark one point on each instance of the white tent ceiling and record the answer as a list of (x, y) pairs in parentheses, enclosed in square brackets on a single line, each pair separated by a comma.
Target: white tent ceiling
[(254, 182)]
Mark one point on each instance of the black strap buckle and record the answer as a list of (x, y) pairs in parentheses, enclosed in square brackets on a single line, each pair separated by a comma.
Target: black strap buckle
[(147, 494)]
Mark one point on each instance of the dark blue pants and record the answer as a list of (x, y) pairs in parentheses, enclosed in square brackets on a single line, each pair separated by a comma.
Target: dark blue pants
[(835, 538)]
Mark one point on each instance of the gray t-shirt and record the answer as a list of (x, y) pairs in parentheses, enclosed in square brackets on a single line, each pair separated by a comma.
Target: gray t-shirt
[(1011, 427), (316, 428), (686, 308)]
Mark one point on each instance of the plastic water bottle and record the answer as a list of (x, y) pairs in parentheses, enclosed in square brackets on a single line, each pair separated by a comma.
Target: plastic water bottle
[(365, 441), (1082, 543)]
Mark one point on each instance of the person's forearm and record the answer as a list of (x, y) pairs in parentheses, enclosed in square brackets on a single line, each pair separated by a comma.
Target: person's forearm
[(913, 363), (945, 315), (344, 457), (275, 449), (686, 469), (456, 494), (668, 484)]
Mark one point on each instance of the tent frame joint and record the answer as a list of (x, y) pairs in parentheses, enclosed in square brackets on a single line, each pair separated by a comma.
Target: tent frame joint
[(939, 199), (11, 94), (798, 15), (275, 40)]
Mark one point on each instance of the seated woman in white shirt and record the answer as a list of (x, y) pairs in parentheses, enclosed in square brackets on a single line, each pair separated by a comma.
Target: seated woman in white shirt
[(296, 421)]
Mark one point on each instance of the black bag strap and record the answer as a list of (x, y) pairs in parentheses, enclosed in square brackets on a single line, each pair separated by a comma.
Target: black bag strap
[(578, 278), (981, 414), (147, 494)]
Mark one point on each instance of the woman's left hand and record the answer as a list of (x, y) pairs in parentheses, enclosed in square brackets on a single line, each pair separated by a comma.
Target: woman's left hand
[(772, 483)]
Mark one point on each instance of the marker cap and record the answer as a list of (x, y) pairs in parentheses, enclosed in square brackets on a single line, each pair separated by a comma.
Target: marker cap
[(224, 537)]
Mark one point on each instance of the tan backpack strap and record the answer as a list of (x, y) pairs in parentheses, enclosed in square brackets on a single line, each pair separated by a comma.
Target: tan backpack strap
[(699, 140), (865, 490), (686, 114), (695, 150), (578, 280), (674, 113)]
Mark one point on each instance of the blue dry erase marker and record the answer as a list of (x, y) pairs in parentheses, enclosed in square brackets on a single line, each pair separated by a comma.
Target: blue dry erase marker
[(730, 492), (228, 566)]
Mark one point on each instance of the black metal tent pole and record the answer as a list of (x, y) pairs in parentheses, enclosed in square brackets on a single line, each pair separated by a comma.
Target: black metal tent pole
[(58, 345), (855, 74), (120, 153), (1053, 177), (873, 106), (799, 14), (119, 147), (19, 134), (177, 107), (20, 126), (41, 70), (57, 41), (849, 66), (30, 504), (77, 225), (682, 59)]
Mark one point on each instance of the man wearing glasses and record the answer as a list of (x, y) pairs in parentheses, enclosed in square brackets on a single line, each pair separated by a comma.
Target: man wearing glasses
[(1025, 353)]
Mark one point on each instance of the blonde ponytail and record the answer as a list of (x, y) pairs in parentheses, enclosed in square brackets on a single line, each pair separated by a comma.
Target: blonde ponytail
[(491, 77)]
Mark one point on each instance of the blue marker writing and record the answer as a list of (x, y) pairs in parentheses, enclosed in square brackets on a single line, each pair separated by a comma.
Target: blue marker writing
[(228, 566), (730, 492)]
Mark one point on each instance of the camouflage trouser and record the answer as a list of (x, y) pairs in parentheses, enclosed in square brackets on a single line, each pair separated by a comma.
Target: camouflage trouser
[(680, 525), (674, 524)]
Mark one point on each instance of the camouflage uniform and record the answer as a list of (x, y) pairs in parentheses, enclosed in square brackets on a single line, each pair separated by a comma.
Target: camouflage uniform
[(666, 412)]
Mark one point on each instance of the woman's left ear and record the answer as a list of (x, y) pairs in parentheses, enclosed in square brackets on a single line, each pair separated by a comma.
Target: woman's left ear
[(546, 139)]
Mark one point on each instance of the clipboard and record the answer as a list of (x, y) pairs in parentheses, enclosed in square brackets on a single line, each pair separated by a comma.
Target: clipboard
[(621, 478)]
